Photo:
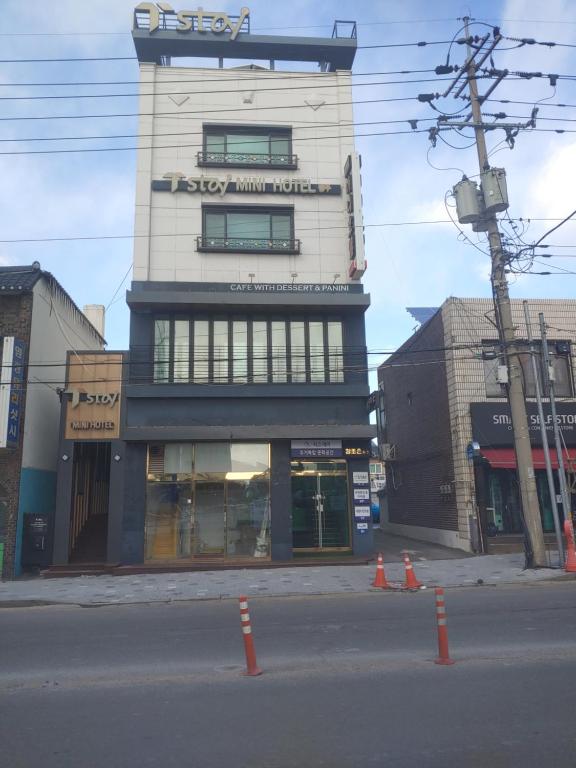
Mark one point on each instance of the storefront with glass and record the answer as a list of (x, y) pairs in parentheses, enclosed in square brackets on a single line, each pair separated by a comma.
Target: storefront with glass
[(230, 501), (496, 477), (208, 500)]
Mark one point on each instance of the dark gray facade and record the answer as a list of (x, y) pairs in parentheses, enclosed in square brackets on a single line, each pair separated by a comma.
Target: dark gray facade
[(273, 412)]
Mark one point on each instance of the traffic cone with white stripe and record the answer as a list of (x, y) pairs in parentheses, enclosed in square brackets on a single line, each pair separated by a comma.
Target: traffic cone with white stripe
[(411, 581), (380, 580), (252, 669), (443, 653), (570, 565)]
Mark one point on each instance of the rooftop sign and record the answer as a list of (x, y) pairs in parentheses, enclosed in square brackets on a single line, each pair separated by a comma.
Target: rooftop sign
[(191, 21)]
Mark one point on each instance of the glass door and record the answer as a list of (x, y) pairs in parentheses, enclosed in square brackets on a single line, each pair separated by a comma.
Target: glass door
[(209, 523), (304, 512), (334, 528), (320, 519)]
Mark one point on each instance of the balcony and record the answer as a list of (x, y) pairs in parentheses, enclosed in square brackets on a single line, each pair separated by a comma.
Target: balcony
[(246, 160), (247, 245)]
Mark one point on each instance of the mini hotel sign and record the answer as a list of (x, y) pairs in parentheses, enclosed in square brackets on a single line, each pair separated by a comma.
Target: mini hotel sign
[(174, 181), (93, 396)]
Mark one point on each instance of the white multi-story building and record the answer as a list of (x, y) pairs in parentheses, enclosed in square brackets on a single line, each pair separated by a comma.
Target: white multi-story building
[(245, 429)]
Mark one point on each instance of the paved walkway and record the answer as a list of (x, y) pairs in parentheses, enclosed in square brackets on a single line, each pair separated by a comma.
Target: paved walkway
[(391, 545), (214, 585)]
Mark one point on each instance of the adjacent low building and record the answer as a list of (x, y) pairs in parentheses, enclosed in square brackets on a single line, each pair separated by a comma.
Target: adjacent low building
[(442, 390), (39, 322)]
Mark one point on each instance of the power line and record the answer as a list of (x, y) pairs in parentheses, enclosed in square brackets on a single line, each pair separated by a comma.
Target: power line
[(196, 145), (419, 44), (82, 150), (183, 234), (282, 88), (310, 126), (238, 78), (206, 111)]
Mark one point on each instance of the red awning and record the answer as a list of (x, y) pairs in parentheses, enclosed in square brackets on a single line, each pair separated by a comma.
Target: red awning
[(505, 458)]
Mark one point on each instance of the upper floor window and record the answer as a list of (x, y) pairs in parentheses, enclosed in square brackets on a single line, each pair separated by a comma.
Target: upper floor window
[(254, 147), (245, 349), (245, 230), (560, 360)]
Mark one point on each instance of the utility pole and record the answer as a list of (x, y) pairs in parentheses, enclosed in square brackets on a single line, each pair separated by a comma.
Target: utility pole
[(551, 394), (543, 432), (535, 551)]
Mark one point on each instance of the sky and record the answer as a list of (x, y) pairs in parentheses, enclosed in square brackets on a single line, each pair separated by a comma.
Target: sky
[(91, 194)]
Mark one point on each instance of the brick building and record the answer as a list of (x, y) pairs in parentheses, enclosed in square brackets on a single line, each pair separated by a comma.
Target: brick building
[(439, 392), (39, 322)]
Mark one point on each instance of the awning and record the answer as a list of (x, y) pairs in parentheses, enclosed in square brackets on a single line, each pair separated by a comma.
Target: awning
[(505, 458)]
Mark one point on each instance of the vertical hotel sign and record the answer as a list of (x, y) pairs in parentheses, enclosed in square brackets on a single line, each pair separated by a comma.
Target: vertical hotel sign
[(11, 391), (355, 219)]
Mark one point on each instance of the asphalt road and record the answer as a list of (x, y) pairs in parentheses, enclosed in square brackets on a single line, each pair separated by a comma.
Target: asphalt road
[(348, 681)]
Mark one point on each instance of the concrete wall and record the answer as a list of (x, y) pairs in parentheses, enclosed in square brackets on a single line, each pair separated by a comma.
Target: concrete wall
[(56, 327), (167, 223)]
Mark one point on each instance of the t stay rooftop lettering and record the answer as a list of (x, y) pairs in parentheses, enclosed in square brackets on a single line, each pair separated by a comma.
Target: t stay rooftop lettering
[(178, 182), (196, 21)]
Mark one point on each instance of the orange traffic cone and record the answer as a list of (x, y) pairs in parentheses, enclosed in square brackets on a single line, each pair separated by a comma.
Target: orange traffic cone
[(411, 580), (570, 566), (380, 580)]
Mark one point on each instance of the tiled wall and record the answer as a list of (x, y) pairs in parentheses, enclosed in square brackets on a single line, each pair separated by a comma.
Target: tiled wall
[(471, 321)]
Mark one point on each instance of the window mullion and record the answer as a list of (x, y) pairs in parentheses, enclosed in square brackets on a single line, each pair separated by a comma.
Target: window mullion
[(171, 352), (307, 364)]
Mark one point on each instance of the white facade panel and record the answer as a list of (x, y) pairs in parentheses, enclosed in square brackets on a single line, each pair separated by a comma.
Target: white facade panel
[(57, 326), (315, 106)]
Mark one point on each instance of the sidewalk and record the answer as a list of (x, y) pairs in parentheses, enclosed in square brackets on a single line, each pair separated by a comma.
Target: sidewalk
[(312, 580)]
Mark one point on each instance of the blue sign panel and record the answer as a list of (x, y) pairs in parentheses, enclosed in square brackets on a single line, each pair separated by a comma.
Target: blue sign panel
[(16, 394)]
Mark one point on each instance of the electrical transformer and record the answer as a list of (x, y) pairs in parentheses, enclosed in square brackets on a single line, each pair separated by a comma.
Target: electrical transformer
[(494, 190), (467, 201)]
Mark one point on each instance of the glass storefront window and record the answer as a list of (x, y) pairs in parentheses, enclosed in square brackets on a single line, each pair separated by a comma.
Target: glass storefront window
[(260, 351), (246, 350), (220, 351), (335, 352), (317, 368), (298, 351), (161, 350), (201, 352), (504, 511), (210, 499), (278, 351), (181, 351), (240, 351)]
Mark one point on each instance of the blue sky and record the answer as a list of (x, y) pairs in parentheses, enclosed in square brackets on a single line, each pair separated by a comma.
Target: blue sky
[(92, 193)]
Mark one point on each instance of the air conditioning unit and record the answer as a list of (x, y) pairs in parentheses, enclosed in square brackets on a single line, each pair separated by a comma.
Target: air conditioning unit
[(387, 451)]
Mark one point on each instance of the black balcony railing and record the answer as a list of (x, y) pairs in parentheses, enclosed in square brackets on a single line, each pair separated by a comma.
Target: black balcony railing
[(248, 244), (246, 159)]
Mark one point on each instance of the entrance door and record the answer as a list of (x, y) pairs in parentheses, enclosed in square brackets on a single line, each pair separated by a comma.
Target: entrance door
[(209, 518), (89, 505), (320, 519)]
